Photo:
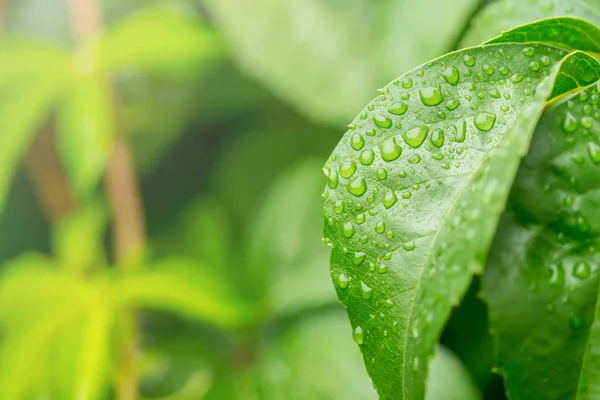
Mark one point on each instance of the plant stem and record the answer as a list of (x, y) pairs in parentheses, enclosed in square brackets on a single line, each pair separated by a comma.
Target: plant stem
[(127, 216)]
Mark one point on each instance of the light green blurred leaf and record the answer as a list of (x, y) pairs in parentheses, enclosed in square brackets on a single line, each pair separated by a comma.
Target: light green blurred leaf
[(184, 287), (78, 239), (161, 41), (502, 15), (285, 255), (448, 379), (32, 76), (326, 56), (86, 130)]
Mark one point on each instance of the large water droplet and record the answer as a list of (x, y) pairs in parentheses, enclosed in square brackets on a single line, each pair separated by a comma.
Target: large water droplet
[(332, 176), (347, 169), (469, 60), (359, 258), (594, 152), (461, 131), (528, 51), (360, 218), (437, 138), (338, 207), (382, 121), (431, 96), (357, 187), (358, 335), (343, 281), (488, 69), (366, 291), (366, 157), (348, 230), (451, 76), (416, 136), (357, 142), (390, 199), (484, 121), (398, 108), (380, 227), (390, 150)]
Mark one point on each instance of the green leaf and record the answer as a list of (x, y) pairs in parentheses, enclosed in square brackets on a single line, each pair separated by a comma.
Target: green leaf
[(502, 15), (286, 45), (28, 94), (425, 168), (187, 288), (158, 41), (448, 379), (86, 130), (542, 279), (572, 33), (278, 262)]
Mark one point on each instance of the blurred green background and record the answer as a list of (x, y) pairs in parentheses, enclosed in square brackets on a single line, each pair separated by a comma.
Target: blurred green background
[(230, 108)]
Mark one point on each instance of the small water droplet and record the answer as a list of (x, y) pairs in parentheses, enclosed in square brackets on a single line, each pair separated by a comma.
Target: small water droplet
[(581, 270), (451, 76), (366, 291), (390, 199), (332, 176), (358, 335), (534, 66), (359, 258), (461, 131), (407, 83), (484, 121), (516, 78), (488, 69), (545, 60), (390, 150), (348, 230), (503, 70), (357, 187), (360, 218), (570, 123), (587, 122), (594, 152), (338, 206), (415, 159), (528, 51), (380, 227), (366, 157), (452, 104), (416, 136), (382, 121), (343, 281)]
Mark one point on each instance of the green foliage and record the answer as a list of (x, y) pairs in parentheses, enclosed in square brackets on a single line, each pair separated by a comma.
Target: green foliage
[(415, 190)]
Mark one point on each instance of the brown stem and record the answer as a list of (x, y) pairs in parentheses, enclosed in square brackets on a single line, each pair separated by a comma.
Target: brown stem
[(47, 175), (127, 216)]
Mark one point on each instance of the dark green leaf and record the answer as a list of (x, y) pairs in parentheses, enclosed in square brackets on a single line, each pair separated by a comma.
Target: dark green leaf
[(542, 278), (400, 197)]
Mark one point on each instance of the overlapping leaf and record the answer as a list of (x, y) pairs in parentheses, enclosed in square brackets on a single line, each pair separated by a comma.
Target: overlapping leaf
[(415, 189)]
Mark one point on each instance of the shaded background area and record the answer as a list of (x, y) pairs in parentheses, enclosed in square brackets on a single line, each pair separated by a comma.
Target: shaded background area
[(228, 147)]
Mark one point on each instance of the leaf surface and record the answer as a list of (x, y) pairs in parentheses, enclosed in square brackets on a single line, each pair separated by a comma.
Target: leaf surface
[(542, 279), (424, 169)]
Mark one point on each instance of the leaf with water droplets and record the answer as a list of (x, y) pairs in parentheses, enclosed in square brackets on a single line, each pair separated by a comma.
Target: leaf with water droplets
[(543, 275), (453, 186)]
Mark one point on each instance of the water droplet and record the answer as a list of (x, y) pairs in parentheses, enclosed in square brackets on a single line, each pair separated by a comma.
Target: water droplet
[(488, 69), (382, 121), (452, 104), (451, 76), (570, 123), (348, 230), (371, 132), (407, 83), (343, 281), (338, 207), (437, 138), (516, 78), (366, 157), (359, 258), (545, 60), (528, 51), (357, 142), (469, 60), (332, 176), (415, 159), (390, 150), (416, 136), (347, 169), (484, 121), (380, 227), (557, 276), (461, 131), (576, 322), (534, 66), (358, 335), (357, 187), (398, 108), (581, 270), (390, 199), (494, 93), (431, 96), (594, 152), (587, 122), (503, 71), (360, 218), (366, 291)]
